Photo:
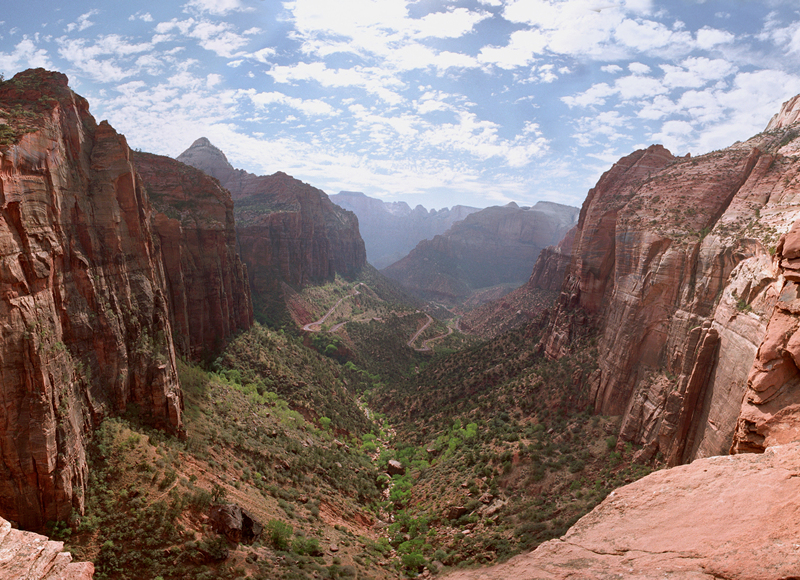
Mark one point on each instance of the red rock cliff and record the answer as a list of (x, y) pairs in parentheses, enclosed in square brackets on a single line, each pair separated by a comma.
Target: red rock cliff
[(208, 287), (289, 232), (85, 324), (672, 267)]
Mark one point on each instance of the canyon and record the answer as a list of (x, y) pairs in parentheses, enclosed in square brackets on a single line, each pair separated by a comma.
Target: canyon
[(682, 272)]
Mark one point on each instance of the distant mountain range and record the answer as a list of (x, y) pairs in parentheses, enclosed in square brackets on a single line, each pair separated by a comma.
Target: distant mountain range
[(392, 229), (494, 246)]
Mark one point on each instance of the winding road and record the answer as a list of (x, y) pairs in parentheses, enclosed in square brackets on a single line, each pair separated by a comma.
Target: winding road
[(316, 326)]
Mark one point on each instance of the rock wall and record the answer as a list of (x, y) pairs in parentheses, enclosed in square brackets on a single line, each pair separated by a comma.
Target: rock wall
[(85, 321), (208, 286), (692, 521), (770, 411), (672, 266)]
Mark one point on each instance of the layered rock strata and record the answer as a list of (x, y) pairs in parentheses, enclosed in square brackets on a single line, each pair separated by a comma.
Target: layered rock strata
[(693, 521), (85, 322), (289, 232), (672, 266), (34, 557), (208, 287)]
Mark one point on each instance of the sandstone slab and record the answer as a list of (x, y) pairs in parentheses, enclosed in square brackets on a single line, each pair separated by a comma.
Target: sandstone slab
[(34, 557), (724, 517)]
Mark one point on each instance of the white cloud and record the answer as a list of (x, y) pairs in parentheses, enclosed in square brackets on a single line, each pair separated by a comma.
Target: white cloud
[(638, 68), (372, 79), (310, 107), (143, 16), (83, 21), (696, 72), (215, 7), (708, 38), (520, 50), (611, 68), (107, 58), (25, 55), (218, 37)]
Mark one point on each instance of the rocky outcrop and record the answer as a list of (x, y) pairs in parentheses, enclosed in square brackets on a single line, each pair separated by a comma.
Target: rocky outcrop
[(552, 263), (770, 413), (497, 245), (720, 517), (672, 268), (34, 557), (392, 229), (85, 320), (209, 291), (289, 232)]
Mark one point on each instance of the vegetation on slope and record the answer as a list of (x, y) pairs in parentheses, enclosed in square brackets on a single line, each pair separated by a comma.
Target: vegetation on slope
[(500, 449), (486, 450)]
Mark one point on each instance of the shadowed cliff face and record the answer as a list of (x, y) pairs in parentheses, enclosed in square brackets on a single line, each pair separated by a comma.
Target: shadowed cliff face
[(208, 287), (85, 323), (288, 231), (672, 266)]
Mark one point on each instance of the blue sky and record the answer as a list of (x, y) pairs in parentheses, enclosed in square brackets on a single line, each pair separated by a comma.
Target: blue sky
[(475, 102)]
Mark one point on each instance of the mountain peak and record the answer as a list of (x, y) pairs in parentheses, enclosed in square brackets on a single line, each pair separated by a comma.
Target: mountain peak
[(203, 155)]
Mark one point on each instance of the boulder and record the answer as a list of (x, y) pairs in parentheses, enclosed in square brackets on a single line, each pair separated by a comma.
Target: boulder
[(235, 523), (395, 468)]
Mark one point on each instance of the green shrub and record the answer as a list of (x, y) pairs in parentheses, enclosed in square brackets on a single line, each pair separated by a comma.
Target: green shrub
[(279, 534)]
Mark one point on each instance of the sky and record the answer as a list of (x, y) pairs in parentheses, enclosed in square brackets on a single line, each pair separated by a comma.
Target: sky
[(432, 102)]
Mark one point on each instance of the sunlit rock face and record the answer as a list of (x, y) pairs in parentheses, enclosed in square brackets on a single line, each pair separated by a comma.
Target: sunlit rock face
[(692, 521), (677, 268), (288, 231), (86, 326), (34, 557)]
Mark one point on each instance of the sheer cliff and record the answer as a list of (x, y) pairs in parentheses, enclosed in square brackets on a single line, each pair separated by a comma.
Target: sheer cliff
[(676, 265), (289, 232), (208, 287), (86, 329)]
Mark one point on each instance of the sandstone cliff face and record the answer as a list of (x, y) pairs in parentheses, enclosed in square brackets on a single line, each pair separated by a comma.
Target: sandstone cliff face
[(289, 232), (672, 266), (497, 245), (208, 287), (693, 521), (85, 323), (392, 229)]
